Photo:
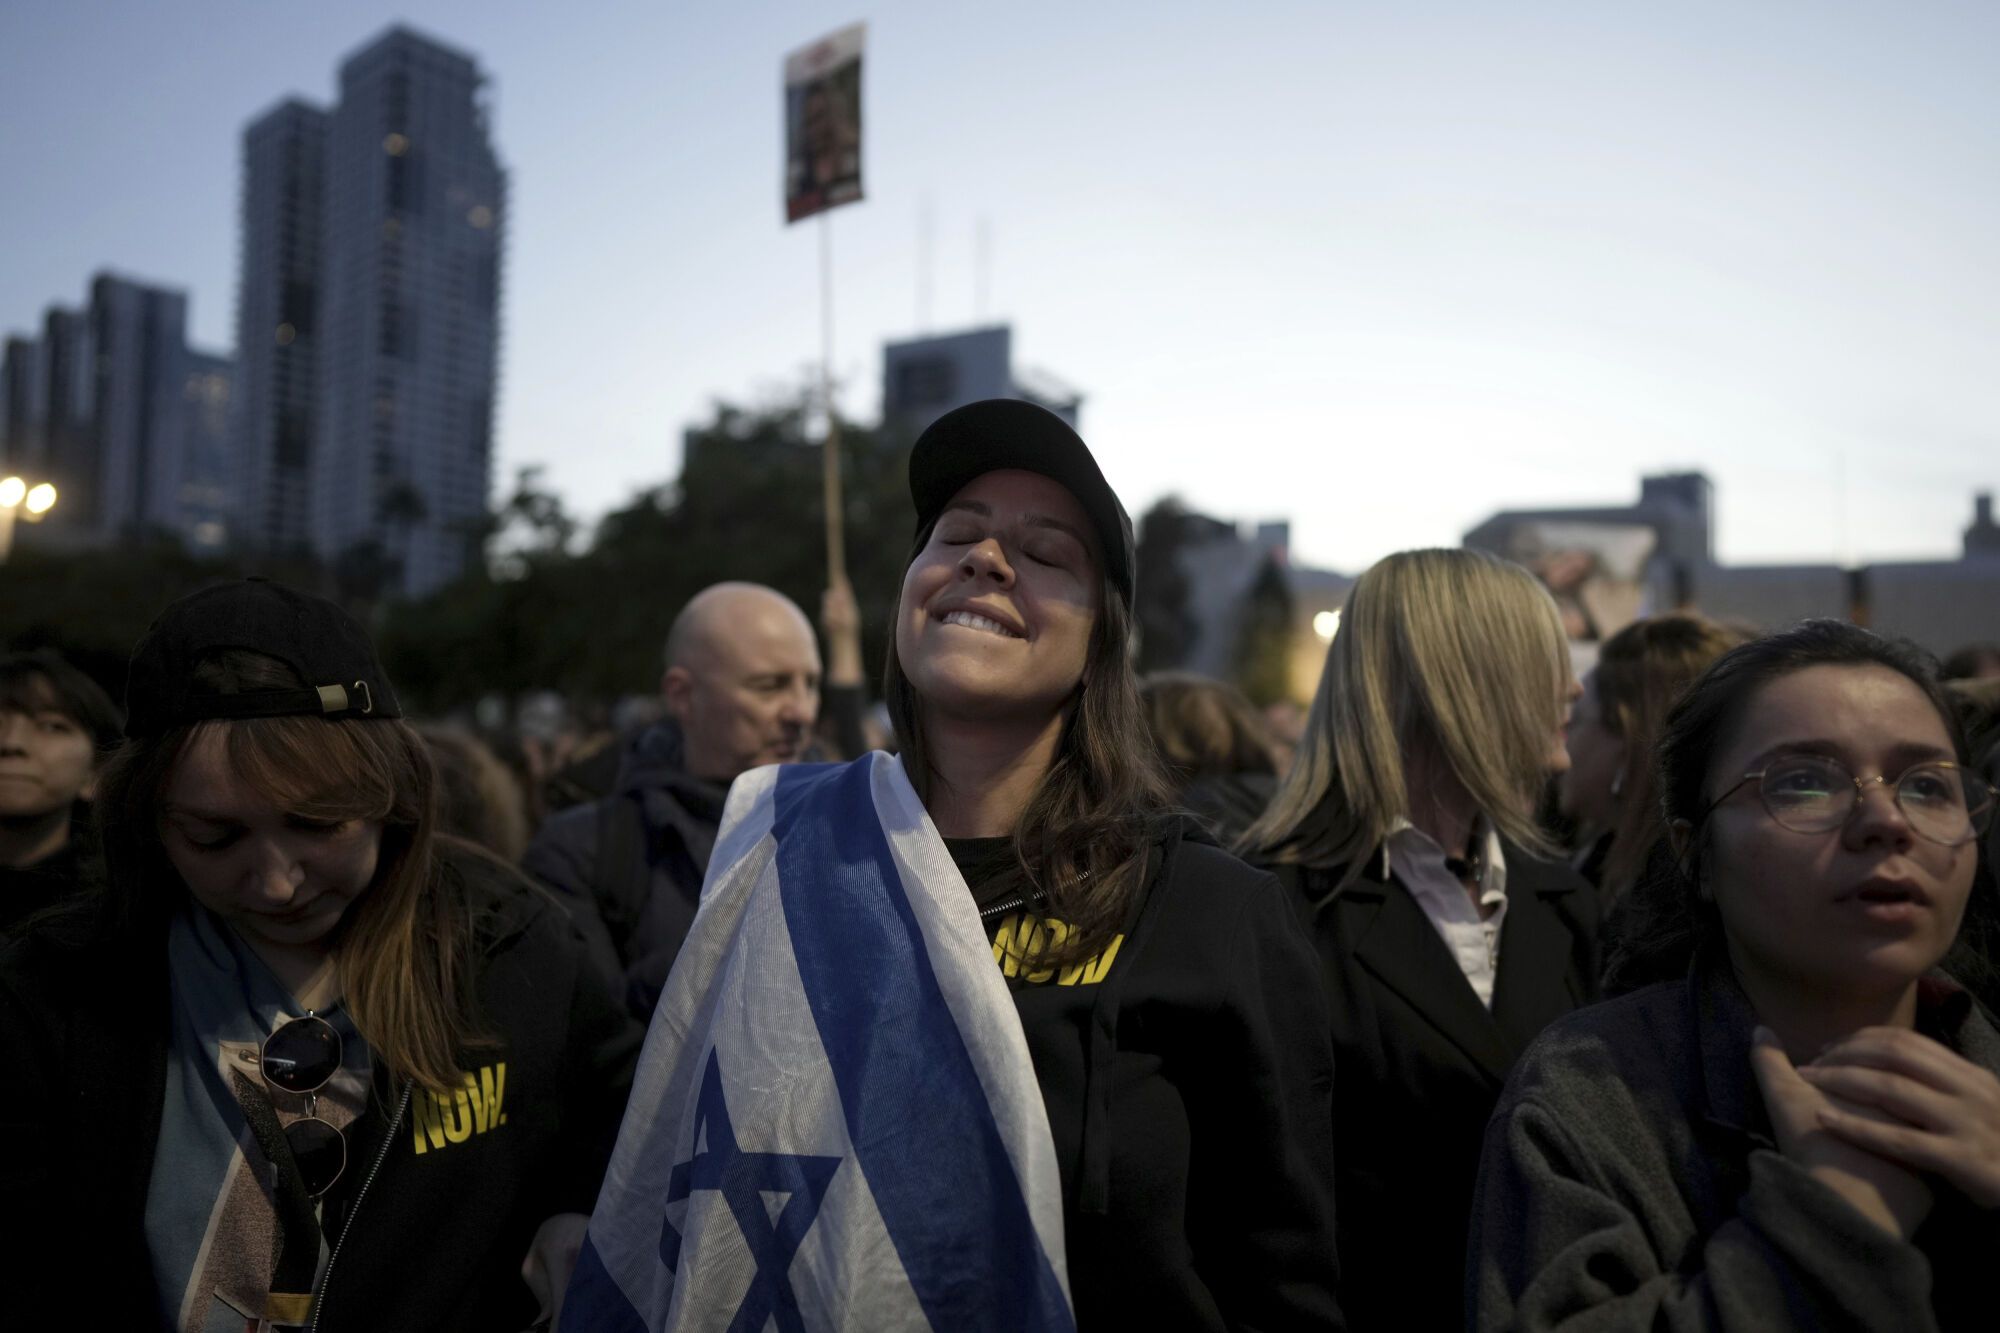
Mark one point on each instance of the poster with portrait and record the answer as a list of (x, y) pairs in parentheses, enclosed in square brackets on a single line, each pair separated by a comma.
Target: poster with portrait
[(1595, 571), (823, 124)]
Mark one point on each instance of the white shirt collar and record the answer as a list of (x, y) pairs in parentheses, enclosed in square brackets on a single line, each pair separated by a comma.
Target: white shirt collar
[(1409, 844)]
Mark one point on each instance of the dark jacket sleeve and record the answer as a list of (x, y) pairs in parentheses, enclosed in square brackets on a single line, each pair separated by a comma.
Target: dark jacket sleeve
[(1552, 1248), (563, 856), (600, 1051), (30, 1174), (846, 707), (1261, 1211)]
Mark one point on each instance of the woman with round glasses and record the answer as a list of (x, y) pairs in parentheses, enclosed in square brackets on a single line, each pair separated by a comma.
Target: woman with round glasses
[(1805, 1131), (306, 1060)]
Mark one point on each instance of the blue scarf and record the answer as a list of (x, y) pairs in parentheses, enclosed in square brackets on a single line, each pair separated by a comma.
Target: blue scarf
[(211, 1226)]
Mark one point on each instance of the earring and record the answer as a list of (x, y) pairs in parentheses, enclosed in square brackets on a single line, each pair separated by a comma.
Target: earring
[(1617, 784)]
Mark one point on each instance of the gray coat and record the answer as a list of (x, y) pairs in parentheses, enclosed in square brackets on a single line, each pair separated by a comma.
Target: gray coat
[(1630, 1181)]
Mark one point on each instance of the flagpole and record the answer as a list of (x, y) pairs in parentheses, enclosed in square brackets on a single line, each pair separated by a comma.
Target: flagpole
[(836, 546)]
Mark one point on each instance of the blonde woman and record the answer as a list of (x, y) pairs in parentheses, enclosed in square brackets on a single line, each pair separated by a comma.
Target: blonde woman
[(1448, 934)]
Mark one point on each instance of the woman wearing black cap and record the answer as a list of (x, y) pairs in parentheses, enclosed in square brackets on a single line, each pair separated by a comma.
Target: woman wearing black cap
[(306, 1061), (1167, 993)]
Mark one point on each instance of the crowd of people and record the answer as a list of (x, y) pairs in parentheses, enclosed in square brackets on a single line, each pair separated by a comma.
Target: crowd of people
[(1490, 997)]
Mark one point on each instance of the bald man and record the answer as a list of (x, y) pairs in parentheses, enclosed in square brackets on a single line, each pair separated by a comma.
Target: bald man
[(741, 690), (742, 680)]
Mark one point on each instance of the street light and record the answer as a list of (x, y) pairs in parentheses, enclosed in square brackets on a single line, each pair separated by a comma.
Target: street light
[(15, 495)]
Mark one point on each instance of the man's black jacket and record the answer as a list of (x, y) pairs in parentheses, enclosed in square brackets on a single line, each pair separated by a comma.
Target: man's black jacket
[(629, 867)]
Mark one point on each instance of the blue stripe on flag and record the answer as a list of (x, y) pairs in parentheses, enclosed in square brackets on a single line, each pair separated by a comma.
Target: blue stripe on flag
[(916, 1111), (594, 1299)]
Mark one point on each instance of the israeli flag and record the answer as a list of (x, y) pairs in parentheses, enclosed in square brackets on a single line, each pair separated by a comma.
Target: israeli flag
[(834, 1124)]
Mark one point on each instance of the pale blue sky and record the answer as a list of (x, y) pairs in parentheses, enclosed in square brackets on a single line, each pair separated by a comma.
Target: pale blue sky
[(1380, 268)]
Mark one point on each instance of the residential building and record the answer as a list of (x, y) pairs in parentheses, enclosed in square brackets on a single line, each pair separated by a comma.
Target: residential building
[(205, 505), (407, 316), (272, 408), (924, 378), (112, 407), (22, 405), (69, 403), (1220, 562), (1610, 563), (139, 332)]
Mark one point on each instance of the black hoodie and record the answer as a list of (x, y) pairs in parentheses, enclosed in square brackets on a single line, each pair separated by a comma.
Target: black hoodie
[(1187, 1070), (430, 1223)]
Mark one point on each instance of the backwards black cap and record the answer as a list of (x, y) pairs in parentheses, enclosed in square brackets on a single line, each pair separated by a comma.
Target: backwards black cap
[(309, 634), (996, 433)]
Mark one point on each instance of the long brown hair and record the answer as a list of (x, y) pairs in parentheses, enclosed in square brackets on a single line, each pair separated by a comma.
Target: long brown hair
[(1081, 846), (1454, 652), (1641, 670), (1205, 727), (405, 945)]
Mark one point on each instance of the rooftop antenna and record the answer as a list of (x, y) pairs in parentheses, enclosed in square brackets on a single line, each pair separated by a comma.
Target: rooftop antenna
[(924, 219), (982, 271)]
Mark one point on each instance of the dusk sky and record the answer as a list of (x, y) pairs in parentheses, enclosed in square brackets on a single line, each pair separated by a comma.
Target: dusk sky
[(1381, 269)]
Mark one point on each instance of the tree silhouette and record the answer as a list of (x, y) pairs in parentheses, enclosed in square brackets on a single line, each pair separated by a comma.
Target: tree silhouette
[(1262, 658)]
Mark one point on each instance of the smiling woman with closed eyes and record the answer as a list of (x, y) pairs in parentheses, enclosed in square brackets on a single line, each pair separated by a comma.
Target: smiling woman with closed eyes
[(1805, 1131), (1166, 992)]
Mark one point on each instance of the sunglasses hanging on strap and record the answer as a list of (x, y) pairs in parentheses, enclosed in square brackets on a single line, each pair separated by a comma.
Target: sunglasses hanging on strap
[(310, 1154)]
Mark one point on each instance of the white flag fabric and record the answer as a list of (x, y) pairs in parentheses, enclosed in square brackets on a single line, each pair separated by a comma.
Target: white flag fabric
[(835, 1123)]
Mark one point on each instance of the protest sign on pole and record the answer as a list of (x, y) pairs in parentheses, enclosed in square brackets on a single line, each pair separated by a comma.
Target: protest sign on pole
[(823, 124), (822, 172)]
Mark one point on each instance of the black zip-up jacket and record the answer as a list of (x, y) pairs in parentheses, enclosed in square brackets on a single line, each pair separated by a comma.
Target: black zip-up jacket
[(629, 867), (430, 1222), (1188, 1075)]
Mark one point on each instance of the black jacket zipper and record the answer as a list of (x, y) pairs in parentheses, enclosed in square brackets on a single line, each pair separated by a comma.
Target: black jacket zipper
[(388, 1141), (1013, 904)]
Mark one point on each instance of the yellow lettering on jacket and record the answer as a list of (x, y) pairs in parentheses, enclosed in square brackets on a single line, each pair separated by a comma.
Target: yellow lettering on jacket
[(438, 1121), (1020, 939), (457, 1117), (1007, 949), (423, 1115), (493, 1081)]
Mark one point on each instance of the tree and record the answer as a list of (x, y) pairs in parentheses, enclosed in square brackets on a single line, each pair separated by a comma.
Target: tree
[(587, 622), (1262, 658), (747, 505)]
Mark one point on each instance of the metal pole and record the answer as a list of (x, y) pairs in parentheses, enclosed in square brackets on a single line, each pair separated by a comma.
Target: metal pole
[(836, 547)]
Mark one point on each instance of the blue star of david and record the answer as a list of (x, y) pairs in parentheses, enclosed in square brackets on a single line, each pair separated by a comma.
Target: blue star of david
[(743, 1178)]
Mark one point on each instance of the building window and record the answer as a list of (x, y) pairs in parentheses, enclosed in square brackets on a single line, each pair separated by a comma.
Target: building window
[(926, 380)]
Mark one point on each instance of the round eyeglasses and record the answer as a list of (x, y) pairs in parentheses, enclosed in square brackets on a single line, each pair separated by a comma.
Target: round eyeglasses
[(1813, 794)]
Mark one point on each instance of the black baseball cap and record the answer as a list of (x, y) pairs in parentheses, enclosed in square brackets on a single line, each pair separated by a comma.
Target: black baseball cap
[(311, 635), (996, 433)]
